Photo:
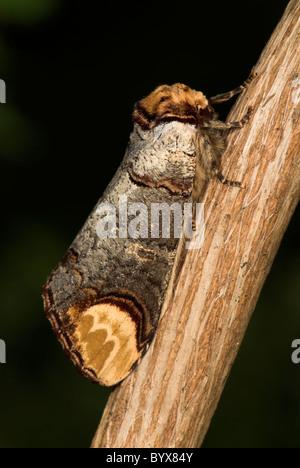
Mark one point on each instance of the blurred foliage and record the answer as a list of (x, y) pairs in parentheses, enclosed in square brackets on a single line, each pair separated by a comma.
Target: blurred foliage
[(72, 76), (12, 124), (26, 12)]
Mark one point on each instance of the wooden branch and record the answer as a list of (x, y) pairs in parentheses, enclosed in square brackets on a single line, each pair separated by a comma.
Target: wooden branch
[(170, 398)]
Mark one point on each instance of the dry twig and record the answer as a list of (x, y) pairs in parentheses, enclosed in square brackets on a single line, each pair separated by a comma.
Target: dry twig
[(169, 400)]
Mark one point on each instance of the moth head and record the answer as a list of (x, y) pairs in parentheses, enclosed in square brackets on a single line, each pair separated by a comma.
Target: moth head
[(176, 102)]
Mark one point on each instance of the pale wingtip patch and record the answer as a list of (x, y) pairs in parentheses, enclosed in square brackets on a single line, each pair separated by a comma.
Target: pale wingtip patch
[(105, 340)]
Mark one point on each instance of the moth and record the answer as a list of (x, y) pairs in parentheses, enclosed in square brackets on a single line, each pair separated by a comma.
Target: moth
[(105, 296)]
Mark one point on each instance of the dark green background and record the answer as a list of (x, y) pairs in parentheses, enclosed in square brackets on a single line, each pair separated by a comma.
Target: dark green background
[(73, 72)]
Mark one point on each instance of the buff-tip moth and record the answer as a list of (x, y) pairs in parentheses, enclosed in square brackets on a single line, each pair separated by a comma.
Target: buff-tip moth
[(104, 298)]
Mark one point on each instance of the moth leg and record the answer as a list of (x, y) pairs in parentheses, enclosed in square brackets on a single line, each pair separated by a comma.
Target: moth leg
[(226, 96), (209, 155), (194, 227), (217, 124), (223, 180)]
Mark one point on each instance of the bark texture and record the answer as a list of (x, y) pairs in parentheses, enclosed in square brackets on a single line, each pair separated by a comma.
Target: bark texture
[(170, 398)]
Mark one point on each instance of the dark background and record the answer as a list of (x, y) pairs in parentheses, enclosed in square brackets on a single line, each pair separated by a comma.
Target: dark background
[(73, 71)]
